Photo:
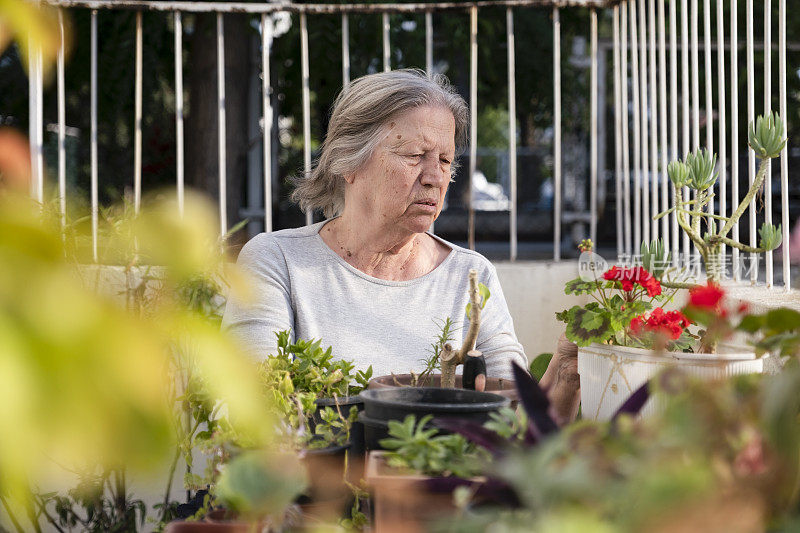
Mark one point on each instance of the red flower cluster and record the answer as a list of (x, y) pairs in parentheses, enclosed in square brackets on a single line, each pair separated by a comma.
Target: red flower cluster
[(670, 324), (629, 277), (707, 297)]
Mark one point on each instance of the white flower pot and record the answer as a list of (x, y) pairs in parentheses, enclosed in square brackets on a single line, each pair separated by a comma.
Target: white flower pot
[(610, 374)]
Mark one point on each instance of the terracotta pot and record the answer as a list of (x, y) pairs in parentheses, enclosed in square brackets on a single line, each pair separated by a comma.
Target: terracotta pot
[(401, 502), (327, 496), (503, 387)]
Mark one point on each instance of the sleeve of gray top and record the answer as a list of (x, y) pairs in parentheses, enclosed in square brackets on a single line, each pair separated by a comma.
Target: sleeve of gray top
[(254, 317), (496, 338)]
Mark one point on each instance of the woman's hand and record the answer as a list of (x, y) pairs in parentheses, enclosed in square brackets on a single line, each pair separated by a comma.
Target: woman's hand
[(562, 382)]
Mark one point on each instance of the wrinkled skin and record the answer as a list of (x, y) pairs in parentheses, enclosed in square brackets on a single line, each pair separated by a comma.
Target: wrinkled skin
[(395, 196), (562, 382)]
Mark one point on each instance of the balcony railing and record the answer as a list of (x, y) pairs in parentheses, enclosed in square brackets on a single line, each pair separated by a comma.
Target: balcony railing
[(656, 53)]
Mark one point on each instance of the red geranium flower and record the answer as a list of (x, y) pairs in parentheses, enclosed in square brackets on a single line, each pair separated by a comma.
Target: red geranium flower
[(707, 297), (629, 277), (670, 324)]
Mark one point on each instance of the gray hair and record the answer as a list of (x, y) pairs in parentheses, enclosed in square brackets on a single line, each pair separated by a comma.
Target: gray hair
[(360, 113)]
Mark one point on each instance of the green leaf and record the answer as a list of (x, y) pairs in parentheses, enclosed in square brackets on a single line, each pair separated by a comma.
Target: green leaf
[(586, 325), (752, 323), (579, 286), (655, 258), (485, 294), (770, 236), (767, 136), (702, 165), (782, 320), (539, 365)]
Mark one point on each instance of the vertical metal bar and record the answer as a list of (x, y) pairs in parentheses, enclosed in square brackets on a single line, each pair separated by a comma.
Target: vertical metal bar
[(709, 85), (62, 118), (751, 156), (512, 132), (618, 114), (387, 58), (345, 50), (767, 110), (223, 196), (266, 92), (673, 85), (557, 133), (137, 120), (179, 167), (306, 105), (644, 193), (39, 176), (695, 92), (662, 108), (784, 153), (626, 182), (93, 132), (695, 78), (429, 42), (637, 134), (723, 124), (735, 133), (687, 138), (473, 117), (32, 94), (593, 132), (653, 179)]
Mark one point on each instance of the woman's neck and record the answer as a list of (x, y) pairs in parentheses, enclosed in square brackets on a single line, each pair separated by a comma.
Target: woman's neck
[(380, 253)]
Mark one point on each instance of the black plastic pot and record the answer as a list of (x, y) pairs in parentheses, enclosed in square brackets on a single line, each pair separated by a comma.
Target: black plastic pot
[(382, 405), (345, 404)]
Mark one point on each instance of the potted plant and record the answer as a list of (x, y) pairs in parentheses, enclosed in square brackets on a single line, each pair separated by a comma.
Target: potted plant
[(425, 478), (720, 456), (697, 172), (445, 359), (625, 336), (256, 490), (415, 453), (621, 345)]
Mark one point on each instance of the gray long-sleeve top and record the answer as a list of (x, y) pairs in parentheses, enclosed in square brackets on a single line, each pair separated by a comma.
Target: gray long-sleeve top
[(299, 283)]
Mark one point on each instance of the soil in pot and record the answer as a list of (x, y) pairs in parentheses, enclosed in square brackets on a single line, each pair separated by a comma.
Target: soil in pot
[(383, 405), (503, 387)]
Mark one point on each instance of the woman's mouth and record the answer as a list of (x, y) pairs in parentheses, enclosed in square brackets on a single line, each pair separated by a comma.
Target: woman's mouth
[(427, 205)]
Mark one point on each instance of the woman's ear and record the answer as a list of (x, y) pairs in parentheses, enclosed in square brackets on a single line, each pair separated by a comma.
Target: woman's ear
[(349, 178)]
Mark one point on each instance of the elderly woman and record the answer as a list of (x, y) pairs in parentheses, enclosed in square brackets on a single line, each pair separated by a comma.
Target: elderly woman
[(370, 280)]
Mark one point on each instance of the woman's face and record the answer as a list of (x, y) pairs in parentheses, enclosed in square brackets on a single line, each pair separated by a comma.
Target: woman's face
[(403, 184)]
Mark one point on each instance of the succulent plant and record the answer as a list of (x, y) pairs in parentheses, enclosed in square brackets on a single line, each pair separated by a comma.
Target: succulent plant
[(770, 236), (767, 139), (679, 174), (655, 257), (767, 136), (702, 165)]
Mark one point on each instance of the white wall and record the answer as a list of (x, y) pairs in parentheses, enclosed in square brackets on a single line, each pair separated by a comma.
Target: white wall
[(534, 291)]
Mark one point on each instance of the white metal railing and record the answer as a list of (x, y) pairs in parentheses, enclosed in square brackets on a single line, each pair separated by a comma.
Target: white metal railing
[(667, 125), (662, 129)]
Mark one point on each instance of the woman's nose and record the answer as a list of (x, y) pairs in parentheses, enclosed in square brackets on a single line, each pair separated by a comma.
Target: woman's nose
[(433, 172)]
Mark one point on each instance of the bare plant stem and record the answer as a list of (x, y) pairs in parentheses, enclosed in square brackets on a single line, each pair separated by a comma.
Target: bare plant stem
[(50, 519), (450, 359), (11, 515), (745, 203)]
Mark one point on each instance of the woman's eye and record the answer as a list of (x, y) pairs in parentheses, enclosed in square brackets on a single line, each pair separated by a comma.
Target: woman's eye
[(445, 161)]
